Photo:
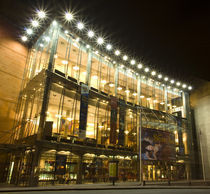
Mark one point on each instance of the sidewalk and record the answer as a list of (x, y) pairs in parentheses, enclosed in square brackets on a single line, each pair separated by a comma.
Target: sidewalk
[(104, 186)]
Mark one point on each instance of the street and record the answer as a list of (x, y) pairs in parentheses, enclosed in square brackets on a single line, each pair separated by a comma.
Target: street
[(126, 191)]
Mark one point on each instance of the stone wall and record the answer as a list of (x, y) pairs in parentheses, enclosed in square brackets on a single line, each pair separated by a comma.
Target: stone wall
[(12, 62), (200, 101)]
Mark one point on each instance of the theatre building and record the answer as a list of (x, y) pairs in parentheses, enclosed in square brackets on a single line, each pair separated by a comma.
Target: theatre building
[(84, 104)]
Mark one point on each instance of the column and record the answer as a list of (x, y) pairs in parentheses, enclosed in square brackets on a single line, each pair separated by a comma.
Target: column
[(166, 98), (187, 114), (56, 30), (79, 171), (139, 90), (116, 76)]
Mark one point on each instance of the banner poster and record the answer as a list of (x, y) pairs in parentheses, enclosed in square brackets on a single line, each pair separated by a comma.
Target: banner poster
[(121, 135), (60, 164), (83, 110), (113, 120), (181, 145), (157, 145), (113, 169)]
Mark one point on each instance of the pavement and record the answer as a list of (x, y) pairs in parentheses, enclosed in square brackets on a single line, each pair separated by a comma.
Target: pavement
[(108, 186)]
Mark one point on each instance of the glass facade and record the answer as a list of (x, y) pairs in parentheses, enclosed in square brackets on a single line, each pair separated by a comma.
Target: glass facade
[(78, 110)]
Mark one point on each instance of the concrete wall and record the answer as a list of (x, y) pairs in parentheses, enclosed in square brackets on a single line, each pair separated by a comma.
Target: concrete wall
[(12, 62), (200, 101)]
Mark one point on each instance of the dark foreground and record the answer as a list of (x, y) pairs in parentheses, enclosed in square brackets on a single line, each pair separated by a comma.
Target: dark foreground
[(133, 191)]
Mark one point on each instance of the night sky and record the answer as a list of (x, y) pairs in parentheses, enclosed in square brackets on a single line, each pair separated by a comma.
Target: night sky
[(170, 36)]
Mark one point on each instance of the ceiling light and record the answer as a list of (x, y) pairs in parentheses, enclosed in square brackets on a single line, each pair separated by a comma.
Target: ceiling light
[(35, 23), (141, 96), (68, 16), (66, 32), (111, 85), (65, 62), (127, 91), (91, 34), (119, 88), (80, 25), (172, 81), (100, 40), (160, 76), (117, 52), (125, 57), (88, 46), (41, 14), (76, 68), (134, 94), (95, 77), (133, 62), (162, 103), (178, 83), (190, 88), (148, 98), (103, 81)]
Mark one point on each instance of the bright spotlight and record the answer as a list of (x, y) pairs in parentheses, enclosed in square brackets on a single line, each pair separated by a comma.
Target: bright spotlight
[(146, 69), (125, 58), (117, 52), (24, 38), (108, 47), (35, 23), (41, 14), (153, 73), (133, 62), (91, 34), (166, 78), (100, 40), (29, 31), (68, 16), (80, 25)]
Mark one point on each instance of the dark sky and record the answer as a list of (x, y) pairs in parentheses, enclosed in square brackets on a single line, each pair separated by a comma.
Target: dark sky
[(171, 36)]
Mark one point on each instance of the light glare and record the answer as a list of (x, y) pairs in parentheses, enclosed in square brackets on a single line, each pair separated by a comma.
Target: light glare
[(41, 14), (146, 69), (109, 47), (139, 66), (117, 52), (125, 57), (68, 16), (100, 40), (29, 31), (133, 62), (80, 25), (91, 34), (35, 23), (24, 38)]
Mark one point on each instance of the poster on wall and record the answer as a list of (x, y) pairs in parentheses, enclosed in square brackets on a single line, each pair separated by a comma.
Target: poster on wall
[(113, 120), (83, 110), (157, 145), (121, 135)]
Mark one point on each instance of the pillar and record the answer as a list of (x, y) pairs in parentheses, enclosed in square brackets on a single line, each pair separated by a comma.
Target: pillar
[(79, 170)]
